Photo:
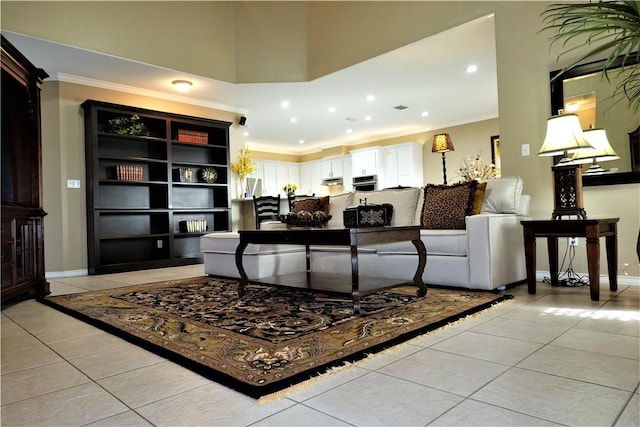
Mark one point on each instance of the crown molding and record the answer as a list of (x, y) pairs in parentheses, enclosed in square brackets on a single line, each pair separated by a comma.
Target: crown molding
[(70, 78)]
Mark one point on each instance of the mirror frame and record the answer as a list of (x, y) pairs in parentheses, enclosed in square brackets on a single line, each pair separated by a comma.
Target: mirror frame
[(557, 103)]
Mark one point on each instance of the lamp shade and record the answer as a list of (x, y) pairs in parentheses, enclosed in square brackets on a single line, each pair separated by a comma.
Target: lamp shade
[(602, 151), (442, 143), (564, 135)]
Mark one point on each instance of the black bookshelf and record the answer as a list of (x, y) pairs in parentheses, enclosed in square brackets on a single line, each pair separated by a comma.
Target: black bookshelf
[(156, 182)]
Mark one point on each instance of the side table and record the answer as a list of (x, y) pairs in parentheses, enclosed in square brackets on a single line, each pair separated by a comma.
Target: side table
[(592, 229)]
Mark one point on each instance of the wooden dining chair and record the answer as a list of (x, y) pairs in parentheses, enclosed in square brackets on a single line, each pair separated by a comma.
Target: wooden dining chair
[(266, 208)]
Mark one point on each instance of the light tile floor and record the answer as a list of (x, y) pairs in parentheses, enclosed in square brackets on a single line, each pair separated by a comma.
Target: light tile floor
[(554, 358)]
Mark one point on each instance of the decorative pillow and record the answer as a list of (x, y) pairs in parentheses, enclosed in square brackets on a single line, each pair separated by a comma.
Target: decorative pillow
[(445, 207), (478, 198), (502, 195), (404, 202), (311, 204)]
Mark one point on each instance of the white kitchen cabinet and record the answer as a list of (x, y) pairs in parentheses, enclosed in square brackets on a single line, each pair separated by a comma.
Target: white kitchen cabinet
[(367, 161), (403, 166), (332, 168)]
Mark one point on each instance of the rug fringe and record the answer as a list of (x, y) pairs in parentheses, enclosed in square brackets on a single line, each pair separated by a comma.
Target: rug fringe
[(281, 394)]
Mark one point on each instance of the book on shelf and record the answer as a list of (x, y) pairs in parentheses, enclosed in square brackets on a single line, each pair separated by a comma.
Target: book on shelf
[(193, 136), (129, 172), (193, 226)]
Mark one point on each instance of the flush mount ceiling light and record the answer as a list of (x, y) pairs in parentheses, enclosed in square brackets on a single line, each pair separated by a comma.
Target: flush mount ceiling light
[(371, 98), (182, 85), (285, 104), (472, 69)]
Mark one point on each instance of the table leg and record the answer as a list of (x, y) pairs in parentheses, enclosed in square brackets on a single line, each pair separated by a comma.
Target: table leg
[(552, 245), (422, 262), (611, 243), (593, 260), (244, 279), (308, 258), (355, 288), (530, 259)]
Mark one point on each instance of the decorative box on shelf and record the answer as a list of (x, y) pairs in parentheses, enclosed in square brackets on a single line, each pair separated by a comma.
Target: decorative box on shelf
[(193, 226), (128, 172), (183, 174), (193, 136), (367, 215)]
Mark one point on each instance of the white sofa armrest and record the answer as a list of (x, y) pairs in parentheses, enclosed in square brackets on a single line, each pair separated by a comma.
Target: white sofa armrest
[(495, 250)]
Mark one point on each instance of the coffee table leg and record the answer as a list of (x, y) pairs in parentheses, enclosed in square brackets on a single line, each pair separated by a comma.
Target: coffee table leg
[(422, 262), (243, 274), (355, 288)]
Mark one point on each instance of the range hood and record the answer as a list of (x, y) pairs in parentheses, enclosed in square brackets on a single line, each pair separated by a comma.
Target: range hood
[(332, 181)]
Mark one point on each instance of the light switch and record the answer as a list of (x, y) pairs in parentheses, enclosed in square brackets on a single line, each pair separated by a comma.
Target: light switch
[(525, 149), (73, 183)]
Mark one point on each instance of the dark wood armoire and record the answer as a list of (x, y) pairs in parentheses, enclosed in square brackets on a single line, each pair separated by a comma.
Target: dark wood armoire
[(22, 212)]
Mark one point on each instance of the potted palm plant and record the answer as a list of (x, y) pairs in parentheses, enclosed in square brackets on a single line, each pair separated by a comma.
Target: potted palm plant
[(609, 28)]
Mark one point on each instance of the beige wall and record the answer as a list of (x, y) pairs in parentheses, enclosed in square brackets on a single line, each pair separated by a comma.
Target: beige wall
[(339, 34)]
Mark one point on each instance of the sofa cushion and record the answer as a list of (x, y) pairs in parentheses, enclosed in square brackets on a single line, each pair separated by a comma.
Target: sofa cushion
[(337, 204), (226, 243), (502, 195), (403, 200), (446, 206), (437, 242)]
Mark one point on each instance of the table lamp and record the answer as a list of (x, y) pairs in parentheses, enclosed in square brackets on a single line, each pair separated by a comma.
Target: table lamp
[(602, 152), (564, 136), (441, 144)]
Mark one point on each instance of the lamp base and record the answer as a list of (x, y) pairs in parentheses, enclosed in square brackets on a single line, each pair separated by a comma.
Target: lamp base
[(567, 189), (560, 212)]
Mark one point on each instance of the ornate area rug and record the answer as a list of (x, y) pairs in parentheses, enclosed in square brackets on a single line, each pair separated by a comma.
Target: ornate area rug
[(271, 337)]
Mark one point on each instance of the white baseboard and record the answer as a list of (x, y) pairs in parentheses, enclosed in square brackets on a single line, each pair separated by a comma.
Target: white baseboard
[(66, 273), (604, 278)]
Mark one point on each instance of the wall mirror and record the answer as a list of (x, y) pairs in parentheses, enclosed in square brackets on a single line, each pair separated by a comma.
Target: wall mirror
[(583, 91)]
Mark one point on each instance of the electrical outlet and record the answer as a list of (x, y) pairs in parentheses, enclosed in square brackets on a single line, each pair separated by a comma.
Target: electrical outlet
[(159, 243), (525, 150), (573, 241)]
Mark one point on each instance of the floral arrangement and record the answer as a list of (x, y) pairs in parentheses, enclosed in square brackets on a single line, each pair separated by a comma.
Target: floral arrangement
[(244, 166), (474, 168), (290, 189)]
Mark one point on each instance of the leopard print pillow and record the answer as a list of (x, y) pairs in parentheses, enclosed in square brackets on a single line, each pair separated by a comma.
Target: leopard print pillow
[(311, 204), (445, 207)]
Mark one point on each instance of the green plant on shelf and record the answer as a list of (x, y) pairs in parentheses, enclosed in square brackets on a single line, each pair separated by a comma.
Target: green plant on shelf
[(127, 126)]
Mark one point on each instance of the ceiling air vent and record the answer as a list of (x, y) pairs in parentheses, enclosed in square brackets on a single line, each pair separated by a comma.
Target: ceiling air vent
[(400, 107)]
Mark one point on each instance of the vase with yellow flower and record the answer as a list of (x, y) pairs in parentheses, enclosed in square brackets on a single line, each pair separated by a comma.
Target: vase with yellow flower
[(290, 189), (242, 168)]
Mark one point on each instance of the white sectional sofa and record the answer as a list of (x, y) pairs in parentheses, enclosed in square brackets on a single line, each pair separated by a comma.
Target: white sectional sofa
[(487, 254)]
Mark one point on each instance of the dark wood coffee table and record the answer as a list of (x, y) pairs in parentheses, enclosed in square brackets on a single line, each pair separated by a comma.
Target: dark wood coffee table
[(351, 237)]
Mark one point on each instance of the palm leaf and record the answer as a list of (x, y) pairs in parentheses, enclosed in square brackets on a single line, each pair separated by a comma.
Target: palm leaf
[(610, 28)]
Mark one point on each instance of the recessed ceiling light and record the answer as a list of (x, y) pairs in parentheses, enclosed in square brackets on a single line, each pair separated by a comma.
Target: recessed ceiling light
[(472, 69), (371, 98), (349, 130), (301, 141), (367, 118), (246, 133), (332, 109), (285, 104), (182, 85), (424, 113), (293, 120)]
